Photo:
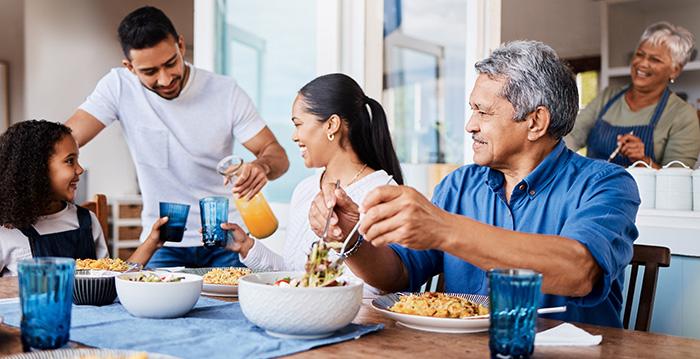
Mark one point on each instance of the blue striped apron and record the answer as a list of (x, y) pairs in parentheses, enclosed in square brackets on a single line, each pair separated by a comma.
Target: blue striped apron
[(602, 140)]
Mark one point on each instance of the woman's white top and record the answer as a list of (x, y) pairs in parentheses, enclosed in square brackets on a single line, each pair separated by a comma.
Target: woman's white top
[(299, 236)]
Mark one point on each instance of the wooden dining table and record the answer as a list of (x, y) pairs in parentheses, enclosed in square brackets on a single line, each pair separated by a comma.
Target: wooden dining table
[(397, 341)]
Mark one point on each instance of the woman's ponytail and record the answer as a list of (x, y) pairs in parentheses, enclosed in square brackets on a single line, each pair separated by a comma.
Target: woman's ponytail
[(368, 130)]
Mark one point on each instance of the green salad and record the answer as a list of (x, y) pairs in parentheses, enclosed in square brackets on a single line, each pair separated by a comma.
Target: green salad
[(152, 278)]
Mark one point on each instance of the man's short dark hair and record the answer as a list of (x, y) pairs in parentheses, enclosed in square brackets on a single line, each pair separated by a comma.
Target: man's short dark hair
[(143, 28)]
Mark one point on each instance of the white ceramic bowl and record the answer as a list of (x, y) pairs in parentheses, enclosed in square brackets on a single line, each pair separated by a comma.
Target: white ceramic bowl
[(300, 313), (158, 299)]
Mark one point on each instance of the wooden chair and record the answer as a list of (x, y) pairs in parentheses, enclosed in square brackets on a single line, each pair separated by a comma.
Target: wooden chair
[(99, 206), (651, 257)]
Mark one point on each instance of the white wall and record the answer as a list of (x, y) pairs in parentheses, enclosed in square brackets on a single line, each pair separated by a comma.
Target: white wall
[(70, 45), (12, 52), (571, 27)]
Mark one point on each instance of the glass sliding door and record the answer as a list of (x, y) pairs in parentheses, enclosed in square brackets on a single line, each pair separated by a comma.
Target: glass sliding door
[(425, 86), (269, 47)]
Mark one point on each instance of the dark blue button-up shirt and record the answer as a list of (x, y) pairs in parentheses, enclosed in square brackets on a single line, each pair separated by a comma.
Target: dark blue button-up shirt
[(568, 195)]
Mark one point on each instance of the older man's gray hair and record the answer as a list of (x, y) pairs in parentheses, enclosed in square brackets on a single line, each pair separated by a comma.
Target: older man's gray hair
[(535, 76), (679, 41)]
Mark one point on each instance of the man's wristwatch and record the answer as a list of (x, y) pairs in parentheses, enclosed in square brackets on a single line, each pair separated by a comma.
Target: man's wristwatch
[(354, 247)]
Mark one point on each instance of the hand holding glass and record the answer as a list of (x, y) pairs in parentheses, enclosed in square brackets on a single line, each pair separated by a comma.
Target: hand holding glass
[(46, 297)]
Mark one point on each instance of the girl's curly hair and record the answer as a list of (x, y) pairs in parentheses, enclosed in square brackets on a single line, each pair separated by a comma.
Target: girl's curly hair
[(25, 188)]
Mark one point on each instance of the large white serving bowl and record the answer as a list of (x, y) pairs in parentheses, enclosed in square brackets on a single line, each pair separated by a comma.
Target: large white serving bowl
[(158, 299), (299, 313)]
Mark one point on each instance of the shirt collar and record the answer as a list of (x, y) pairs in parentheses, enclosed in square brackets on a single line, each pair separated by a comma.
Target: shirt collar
[(539, 178), (543, 174)]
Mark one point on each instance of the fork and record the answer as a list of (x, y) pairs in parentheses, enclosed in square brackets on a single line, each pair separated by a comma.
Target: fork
[(328, 218)]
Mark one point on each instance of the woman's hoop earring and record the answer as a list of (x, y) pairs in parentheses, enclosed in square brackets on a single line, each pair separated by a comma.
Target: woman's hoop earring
[(331, 137)]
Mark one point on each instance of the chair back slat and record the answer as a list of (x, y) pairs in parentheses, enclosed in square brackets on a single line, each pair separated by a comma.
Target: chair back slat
[(630, 295), (99, 207), (652, 258)]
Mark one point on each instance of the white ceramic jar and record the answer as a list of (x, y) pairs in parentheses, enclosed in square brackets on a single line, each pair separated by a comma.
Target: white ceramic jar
[(696, 190), (646, 183), (674, 187)]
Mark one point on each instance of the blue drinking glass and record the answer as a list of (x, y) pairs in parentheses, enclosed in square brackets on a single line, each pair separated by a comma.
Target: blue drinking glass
[(513, 298), (214, 212), (46, 297), (177, 220)]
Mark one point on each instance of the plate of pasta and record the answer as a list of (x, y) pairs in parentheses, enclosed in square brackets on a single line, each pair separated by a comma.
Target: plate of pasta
[(436, 312), (220, 282), (106, 264)]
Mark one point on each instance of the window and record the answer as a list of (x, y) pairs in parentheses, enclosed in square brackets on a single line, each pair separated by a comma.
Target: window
[(424, 78), (269, 47)]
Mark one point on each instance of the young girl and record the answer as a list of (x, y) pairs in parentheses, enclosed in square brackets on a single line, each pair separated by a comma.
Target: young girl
[(40, 174), (340, 129)]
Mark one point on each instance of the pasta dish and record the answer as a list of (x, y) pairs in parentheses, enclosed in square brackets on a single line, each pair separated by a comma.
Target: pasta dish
[(116, 265), (225, 276), (438, 305)]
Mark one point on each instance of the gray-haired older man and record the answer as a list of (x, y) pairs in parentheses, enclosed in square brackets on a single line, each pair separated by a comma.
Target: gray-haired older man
[(527, 202)]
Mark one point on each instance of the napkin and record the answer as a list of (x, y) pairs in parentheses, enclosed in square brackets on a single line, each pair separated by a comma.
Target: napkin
[(566, 334)]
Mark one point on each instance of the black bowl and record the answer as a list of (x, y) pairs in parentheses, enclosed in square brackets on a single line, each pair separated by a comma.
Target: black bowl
[(93, 290)]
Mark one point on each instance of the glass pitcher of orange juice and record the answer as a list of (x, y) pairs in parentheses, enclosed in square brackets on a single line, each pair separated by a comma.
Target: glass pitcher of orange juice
[(256, 212)]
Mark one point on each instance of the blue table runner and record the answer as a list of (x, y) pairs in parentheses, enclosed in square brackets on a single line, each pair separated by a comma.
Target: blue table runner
[(213, 329)]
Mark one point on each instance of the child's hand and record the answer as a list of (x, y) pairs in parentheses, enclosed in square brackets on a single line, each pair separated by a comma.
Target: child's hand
[(154, 236), (240, 242)]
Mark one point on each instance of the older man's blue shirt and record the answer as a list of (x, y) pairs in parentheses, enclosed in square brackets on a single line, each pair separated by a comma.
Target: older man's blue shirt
[(568, 195)]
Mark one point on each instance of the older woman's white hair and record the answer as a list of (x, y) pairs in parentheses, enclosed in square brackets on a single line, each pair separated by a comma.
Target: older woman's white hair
[(677, 39)]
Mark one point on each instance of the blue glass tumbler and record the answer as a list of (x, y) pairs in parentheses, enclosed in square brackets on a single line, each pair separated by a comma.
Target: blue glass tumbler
[(214, 212), (46, 297), (177, 220), (513, 299)]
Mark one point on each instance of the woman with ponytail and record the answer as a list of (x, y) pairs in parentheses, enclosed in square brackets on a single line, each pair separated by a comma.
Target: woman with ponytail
[(340, 129)]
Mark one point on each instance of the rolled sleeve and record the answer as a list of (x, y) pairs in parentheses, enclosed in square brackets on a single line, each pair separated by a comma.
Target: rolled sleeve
[(604, 224), (420, 265), (103, 102)]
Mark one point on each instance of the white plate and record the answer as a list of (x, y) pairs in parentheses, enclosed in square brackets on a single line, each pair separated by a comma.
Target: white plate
[(79, 353), (216, 290), (220, 290), (431, 324)]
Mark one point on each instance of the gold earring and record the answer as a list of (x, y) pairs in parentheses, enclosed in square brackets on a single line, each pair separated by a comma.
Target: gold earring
[(331, 137)]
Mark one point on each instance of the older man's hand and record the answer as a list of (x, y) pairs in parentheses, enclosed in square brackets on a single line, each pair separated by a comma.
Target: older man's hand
[(400, 214), (346, 212)]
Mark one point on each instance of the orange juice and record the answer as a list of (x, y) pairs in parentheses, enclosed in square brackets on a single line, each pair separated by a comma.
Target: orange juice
[(257, 216)]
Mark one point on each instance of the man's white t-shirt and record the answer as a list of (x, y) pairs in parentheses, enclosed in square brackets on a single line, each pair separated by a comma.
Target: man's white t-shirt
[(177, 143), (14, 245)]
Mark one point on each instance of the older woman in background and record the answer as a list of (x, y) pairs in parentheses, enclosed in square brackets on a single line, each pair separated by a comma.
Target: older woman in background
[(645, 120)]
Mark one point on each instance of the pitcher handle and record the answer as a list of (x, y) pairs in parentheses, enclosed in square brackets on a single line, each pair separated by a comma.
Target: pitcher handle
[(640, 162), (676, 162)]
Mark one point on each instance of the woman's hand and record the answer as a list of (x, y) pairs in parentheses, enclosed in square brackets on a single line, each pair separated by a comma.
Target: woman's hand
[(631, 147), (239, 241), (346, 212)]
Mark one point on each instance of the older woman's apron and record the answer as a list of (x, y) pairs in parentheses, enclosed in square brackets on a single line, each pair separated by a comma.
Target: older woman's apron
[(77, 243), (602, 140)]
